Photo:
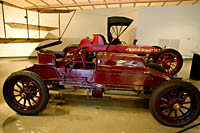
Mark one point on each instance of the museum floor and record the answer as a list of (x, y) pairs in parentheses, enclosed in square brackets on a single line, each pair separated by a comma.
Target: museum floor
[(68, 113)]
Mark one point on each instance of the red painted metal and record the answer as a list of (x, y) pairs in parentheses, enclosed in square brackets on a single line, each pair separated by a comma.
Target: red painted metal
[(111, 70), (98, 45), (47, 59), (47, 72)]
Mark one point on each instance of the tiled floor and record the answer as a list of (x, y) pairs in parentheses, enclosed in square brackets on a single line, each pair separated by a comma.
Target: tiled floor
[(68, 113)]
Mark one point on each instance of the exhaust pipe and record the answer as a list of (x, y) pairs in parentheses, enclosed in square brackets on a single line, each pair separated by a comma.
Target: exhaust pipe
[(122, 92)]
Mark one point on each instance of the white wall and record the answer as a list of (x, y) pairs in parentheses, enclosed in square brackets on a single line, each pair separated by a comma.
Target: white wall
[(170, 22), (84, 24), (153, 23)]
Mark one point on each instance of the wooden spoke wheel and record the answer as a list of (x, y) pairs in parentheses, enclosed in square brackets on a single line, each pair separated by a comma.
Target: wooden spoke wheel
[(175, 103), (26, 93), (170, 59)]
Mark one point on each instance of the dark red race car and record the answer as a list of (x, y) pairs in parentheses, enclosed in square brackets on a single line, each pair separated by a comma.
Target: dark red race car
[(173, 102), (170, 59)]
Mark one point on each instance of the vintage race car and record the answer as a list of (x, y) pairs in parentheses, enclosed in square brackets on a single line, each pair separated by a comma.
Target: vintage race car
[(173, 102), (170, 59)]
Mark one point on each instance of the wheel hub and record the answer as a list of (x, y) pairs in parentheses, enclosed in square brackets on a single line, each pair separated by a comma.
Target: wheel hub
[(177, 106), (23, 95), (167, 64)]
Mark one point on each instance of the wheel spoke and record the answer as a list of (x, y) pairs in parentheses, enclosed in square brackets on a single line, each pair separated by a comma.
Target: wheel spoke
[(172, 64), (27, 85), (164, 105), (181, 111), (31, 88), (34, 91), (37, 96), (180, 95), (169, 96), (169, 57), (159, 61), (170, 69), (184, 97), (29, 102), (33, 100), (174, 95), (173, 57), (186, 102), (24, 101), (19, 100), (175, 112), (16, 90), (185, 107), (18, 86), (170, 111), (22, 83), (165, 110), (165, 100), (17, 95)]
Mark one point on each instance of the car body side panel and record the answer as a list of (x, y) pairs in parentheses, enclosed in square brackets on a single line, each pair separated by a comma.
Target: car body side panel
[(47, 72), (99, 45), (110, 69), (106, 77)]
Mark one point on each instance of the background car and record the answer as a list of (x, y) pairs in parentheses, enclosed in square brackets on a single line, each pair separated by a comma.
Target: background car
[(170, 59)]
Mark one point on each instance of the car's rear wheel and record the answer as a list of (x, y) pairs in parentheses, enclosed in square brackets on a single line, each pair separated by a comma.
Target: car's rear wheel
[(175, 103), (170, 59), (25, 92)]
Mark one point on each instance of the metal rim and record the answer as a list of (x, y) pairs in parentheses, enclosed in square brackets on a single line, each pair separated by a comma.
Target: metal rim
[(176, 105), (25, 94), (170, 61)]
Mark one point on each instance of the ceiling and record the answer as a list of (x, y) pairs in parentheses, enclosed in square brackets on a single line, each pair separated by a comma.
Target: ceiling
[(92, 4)]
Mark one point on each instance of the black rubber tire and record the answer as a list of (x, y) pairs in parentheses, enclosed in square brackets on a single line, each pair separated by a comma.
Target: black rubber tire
[(163, 51), (151, 56), (75, 46), (188, 117), (157, 47), (35, 78), (156, 67)]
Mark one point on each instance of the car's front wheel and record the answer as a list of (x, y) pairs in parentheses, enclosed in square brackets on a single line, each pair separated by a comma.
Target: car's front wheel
[(175, 103), (25, 92)]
